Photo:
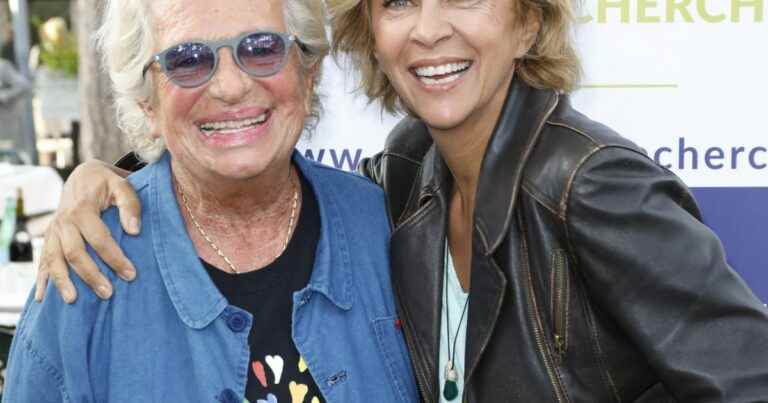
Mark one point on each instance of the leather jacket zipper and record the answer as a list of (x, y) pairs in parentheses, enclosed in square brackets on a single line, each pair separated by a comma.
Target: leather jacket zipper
[(533, 310), (538, 328), (538, 331), (560, 299)]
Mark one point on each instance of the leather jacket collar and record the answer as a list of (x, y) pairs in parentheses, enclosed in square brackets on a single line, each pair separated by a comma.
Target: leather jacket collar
[(514, 137), (522, 117)]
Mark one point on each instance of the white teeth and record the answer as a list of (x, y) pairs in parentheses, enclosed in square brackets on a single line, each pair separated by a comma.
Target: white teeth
[(231, 125), (443, 69), (432, 81)]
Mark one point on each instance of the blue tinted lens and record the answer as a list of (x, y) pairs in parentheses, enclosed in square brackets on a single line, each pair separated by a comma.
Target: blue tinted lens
[(189, 64), (262, 54)]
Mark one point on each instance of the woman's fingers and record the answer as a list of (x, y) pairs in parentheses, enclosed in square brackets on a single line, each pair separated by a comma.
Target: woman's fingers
[(64, 245), (123, 196), (98, 236), (92, 187), (73, 248), (53, 267), (41, 282)]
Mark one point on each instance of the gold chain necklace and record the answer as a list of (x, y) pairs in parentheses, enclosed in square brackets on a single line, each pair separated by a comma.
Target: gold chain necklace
[(216, 247)]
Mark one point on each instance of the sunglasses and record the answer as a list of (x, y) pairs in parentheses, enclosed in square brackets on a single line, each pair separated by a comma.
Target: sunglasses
[(192, 64)]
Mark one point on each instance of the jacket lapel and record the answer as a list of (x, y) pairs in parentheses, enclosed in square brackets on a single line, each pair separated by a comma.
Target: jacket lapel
[(522, 117), (524, 113), (417, 272)]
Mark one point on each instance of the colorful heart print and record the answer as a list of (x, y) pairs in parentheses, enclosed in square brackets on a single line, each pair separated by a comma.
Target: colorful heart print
[(298, 391), (275, 363), (302, 365), (258, 370), (270, 399)]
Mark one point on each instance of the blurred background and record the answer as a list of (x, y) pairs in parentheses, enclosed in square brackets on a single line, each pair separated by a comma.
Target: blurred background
[(44, 129), (42, 120)]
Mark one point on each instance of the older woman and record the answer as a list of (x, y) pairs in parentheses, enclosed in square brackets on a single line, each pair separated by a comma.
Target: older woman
[(536, 255), (257, 282)]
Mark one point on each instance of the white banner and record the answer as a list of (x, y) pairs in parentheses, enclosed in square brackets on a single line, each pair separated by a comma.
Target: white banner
[(685, 80), (682, 78)]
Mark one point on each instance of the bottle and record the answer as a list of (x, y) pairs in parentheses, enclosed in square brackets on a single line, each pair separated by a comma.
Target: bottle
[(21, 244), (7, 228)]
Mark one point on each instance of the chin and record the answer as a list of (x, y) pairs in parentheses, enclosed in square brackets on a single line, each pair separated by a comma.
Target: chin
[(238, 173), (239, 167), (442, 121)]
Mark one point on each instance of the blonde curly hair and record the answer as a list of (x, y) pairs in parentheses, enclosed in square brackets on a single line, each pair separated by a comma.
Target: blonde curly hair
[(551, 62)]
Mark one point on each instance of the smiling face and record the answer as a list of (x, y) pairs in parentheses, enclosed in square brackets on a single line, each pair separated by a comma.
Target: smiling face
[(234, 126), (451, 62)]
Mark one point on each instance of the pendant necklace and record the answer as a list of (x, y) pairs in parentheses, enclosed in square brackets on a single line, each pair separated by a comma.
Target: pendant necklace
[(450, 388)]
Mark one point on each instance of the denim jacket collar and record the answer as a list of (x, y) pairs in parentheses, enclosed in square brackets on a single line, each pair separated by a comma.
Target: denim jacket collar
[(196, 299), (332, 273)]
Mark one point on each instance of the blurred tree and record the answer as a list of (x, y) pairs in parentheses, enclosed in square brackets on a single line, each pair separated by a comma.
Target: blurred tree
[(58, 46), (6, 42), (99, 136)]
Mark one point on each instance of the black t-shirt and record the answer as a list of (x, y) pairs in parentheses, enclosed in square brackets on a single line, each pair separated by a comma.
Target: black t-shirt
[(277, 374)]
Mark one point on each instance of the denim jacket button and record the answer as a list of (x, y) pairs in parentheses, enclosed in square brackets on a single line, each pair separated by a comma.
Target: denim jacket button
[(228, 396), (237, 321)]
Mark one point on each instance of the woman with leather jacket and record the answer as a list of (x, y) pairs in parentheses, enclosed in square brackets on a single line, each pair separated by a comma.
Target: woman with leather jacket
[(536, 255)]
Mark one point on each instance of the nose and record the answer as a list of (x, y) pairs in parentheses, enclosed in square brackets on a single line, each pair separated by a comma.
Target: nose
[(432, 25), (229, 83)]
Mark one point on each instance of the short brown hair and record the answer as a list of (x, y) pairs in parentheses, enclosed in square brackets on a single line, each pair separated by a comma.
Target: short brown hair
[(551, 62)]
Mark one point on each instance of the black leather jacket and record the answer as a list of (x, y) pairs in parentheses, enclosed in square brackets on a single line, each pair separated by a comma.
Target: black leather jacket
[(593, 278)]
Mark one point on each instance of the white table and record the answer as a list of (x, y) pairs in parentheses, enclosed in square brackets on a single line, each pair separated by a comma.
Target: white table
[(41, 186), (16, 280)]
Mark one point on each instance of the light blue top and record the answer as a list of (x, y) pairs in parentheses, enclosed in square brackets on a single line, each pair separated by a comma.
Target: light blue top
[(456, 300), (170, 336)]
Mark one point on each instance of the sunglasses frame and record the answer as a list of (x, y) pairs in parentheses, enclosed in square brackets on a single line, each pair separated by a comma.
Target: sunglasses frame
[(215, 46)]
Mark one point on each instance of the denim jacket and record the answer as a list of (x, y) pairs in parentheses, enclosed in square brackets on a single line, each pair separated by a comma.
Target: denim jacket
[(170, 336)]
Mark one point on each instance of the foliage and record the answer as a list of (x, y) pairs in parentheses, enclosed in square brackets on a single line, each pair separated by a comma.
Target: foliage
[(58, 46), (62, 57)]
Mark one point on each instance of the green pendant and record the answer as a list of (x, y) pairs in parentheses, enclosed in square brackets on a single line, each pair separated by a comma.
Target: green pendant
[(450, 390)]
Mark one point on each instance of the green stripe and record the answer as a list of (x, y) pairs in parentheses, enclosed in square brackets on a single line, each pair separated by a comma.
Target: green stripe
[(630, 86)]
